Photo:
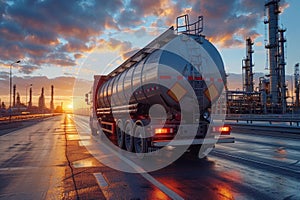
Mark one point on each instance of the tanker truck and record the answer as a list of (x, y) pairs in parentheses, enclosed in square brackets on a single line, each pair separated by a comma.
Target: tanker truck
[(165, 91)]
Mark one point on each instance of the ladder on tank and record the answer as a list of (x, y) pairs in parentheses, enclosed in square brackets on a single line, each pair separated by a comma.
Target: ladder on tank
[(193, 71), (183, 26)]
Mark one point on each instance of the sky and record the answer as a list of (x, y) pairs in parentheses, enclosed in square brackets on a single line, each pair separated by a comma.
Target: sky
[(56, 39)]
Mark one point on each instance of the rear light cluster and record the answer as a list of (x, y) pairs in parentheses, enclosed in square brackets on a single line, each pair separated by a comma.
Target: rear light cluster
[(164, 130), (224, 130)]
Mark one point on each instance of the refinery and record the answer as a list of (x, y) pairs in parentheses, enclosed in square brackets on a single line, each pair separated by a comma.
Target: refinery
[(271, 94), (17, 107), (167, 122)]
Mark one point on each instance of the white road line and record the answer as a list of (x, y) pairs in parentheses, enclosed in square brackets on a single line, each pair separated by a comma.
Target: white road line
[(100, 180), (162, 187), (141, 171), (147, 176)]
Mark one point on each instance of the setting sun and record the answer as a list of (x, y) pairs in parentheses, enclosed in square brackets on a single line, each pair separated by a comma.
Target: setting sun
[(70, 106)]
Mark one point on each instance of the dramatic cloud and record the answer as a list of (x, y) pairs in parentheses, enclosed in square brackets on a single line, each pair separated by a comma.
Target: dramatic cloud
[(4, 75), (27, 69), (124, 48), (58, 33), (39, 31)]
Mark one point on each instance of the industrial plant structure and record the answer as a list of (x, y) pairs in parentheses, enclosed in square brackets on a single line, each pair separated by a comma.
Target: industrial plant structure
[(271, 94), (28, 107)]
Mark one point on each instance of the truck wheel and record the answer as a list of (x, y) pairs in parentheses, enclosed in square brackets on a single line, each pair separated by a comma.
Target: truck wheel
[(120, 134), (94, 131), (128, 137), (140, 142), (193, 152)]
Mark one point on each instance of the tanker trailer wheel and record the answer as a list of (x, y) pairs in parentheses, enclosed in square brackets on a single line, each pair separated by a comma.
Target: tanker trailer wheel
[(120, 134), (140, 141), (128, 136), (194, 151)]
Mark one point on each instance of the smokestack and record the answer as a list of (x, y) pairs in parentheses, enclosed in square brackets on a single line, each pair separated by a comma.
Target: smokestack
[(42, 100), (52, 97), (30, 98), (14, 95), (18, 100)]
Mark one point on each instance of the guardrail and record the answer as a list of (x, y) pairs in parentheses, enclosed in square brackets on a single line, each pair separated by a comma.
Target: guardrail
[(17, 118), (292, 119)]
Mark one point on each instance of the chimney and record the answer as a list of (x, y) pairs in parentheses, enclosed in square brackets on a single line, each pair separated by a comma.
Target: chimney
[(14, 95), (52, 97), (30, 98)]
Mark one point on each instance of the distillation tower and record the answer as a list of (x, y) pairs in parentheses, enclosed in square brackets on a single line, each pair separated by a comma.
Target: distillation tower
[(275, 47), (270, 96), (247, 65)]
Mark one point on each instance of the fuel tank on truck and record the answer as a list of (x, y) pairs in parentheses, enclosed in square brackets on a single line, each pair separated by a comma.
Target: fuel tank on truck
[(144, 82)]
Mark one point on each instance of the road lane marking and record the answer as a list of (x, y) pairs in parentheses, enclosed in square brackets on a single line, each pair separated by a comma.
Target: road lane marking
[(162, 187), (172, 194), (100, 180), (142, 172)]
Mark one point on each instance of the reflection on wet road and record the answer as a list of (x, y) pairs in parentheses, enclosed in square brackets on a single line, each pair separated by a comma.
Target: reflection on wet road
[(255, 167), (32, 161), (33, 165)]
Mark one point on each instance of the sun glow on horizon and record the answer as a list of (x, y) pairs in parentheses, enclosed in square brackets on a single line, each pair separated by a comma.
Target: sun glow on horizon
[(70, 106)]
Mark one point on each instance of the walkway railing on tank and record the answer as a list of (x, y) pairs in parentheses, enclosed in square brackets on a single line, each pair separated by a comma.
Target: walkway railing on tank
[(183, 25)]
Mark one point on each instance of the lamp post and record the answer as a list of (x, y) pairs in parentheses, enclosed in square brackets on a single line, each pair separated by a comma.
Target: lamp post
[(10, 86)]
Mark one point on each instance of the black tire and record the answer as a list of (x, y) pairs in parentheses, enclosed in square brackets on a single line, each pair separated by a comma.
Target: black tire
[(120, 135), (129, 143), (140, 143), (194, 151), (94, 131)]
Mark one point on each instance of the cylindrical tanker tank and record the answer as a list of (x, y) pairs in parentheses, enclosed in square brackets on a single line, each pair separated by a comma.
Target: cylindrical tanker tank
[(142, 82), (164, 92)]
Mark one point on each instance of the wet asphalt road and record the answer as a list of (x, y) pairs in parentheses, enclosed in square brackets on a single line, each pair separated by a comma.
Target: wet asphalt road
[(32, 166), (31, 161), (256, 166)]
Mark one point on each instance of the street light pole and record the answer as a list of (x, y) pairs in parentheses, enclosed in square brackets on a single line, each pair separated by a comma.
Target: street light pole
[(10, 86)]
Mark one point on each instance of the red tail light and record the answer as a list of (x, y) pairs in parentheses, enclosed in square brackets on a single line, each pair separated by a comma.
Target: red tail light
[(163, 130), (225, 130)]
